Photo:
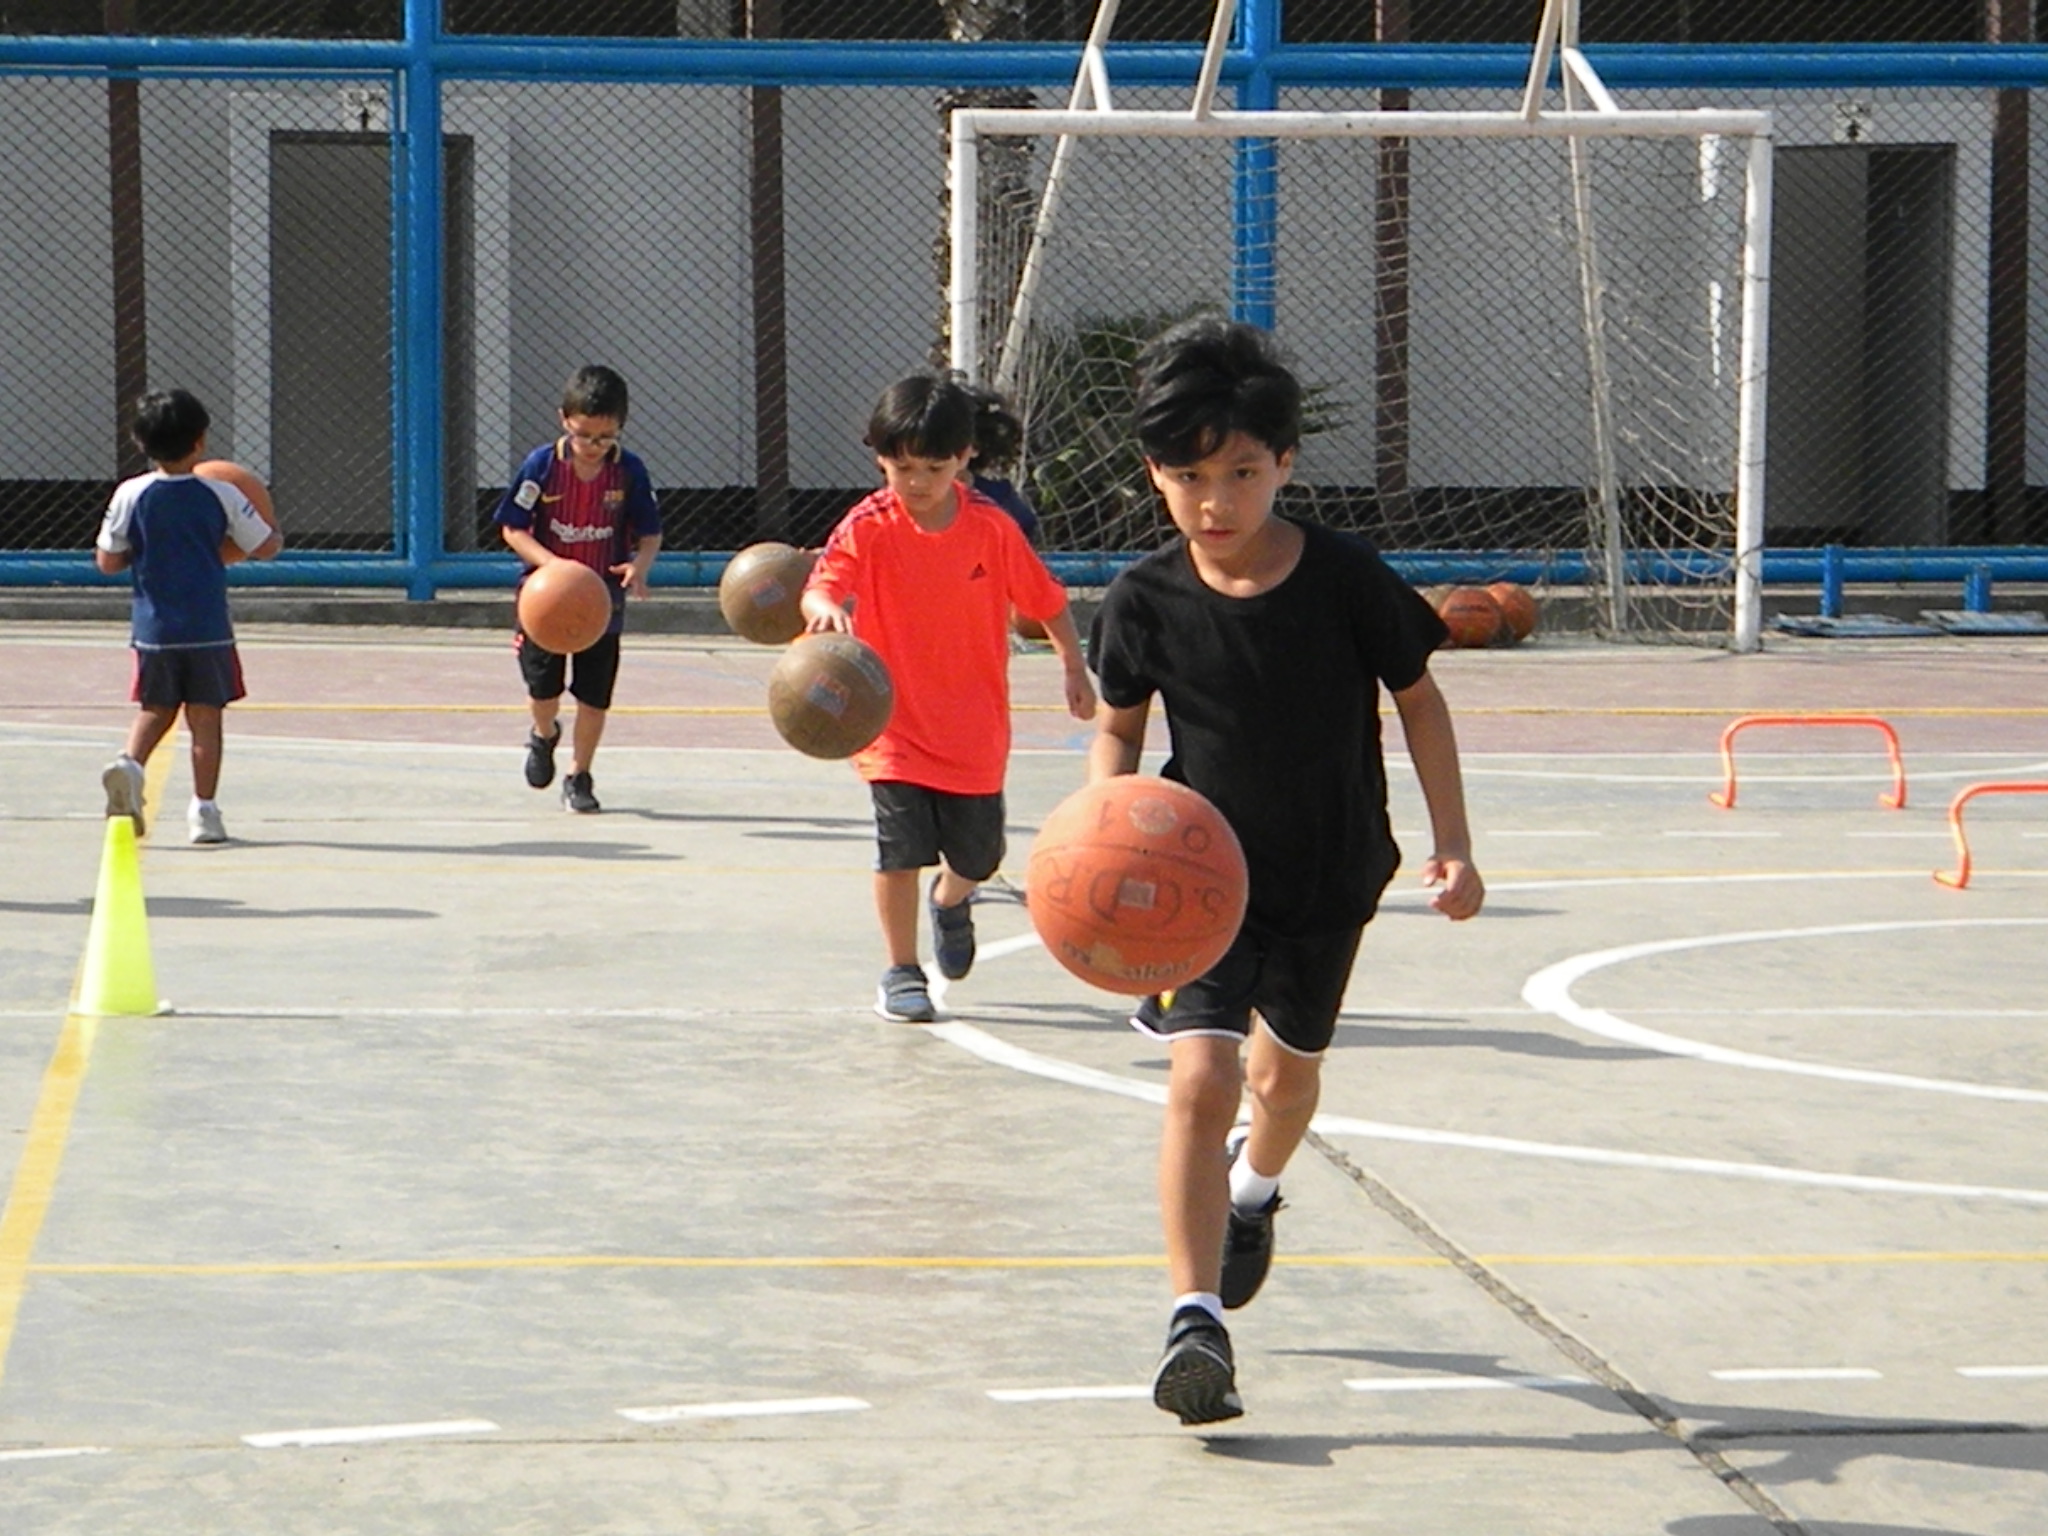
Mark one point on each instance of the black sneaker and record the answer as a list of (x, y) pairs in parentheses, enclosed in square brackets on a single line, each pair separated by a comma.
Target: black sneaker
[(902, 996), (540, 757), (577, 795), (952, 934), (1197, 1376), (1247, 1244)]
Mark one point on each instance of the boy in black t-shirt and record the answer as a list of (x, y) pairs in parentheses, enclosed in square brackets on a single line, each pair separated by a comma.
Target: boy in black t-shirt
[(1267, 641)]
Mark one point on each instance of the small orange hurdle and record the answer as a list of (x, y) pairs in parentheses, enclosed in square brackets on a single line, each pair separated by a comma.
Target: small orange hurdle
[(1961, 877), (1725, 795)]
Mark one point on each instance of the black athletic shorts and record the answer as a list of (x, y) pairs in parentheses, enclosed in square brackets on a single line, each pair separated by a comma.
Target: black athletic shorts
[(915, 825), (1295, 983), (592, 674), (210, 676)]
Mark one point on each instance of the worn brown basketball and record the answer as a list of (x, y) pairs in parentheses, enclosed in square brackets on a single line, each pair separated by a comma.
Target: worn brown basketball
[(830, 695), (760, 591), (1136, 884), (565, 607), (243, 479), (1472, 616), (1517, 608)]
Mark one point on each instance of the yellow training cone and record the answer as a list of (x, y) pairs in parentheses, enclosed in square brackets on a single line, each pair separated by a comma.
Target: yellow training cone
[(117, 976)]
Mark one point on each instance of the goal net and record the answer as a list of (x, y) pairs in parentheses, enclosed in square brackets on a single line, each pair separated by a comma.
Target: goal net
[(1524, 352)]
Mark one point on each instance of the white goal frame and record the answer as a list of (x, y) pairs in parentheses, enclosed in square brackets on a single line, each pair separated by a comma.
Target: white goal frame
[(1589, 112)]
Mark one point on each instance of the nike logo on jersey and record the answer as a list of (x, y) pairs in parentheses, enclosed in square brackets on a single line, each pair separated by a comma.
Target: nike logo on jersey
[(547, 500)]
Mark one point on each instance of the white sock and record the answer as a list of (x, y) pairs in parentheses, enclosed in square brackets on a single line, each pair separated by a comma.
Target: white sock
[(1208, 1301), (1250, 1189), (203, 805)]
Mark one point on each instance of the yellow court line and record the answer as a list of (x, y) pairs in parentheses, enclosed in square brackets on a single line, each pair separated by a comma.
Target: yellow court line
[(35, 1176), (322, 1267), (49, 1126)]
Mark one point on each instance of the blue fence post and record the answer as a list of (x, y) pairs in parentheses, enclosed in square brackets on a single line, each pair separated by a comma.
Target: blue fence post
[(1977, 589), (1256, 182), (417, 385), (1831, 582)]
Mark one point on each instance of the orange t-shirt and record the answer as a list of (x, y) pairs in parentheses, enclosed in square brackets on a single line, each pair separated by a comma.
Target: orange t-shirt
[(936, 607)]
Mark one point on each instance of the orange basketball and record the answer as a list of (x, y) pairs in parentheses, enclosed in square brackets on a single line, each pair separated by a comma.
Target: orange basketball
[(830, 695), (565, 607), (1517, 607), (242, 479), (760, 589), (1472, 617), (1136, 884)]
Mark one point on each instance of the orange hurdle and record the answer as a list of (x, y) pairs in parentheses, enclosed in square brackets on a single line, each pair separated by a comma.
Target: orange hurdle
[(1725, 795), (1961, 877)]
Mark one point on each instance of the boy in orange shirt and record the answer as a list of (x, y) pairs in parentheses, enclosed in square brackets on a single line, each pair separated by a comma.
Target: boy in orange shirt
[(926, 571)]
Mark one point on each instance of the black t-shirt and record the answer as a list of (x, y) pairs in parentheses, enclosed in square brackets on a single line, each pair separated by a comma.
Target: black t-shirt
[(1272, 707)]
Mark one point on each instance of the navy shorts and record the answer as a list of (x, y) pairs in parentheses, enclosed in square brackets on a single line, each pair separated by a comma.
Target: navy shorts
[(210, 676), (591, 678), (1294, 982), (915, 825)]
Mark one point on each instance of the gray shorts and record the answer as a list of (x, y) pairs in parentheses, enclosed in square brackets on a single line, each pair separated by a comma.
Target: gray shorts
[(914, 826)]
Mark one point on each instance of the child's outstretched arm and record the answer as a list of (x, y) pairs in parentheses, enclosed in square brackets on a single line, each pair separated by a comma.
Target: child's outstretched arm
[(1119, 741), (526, 547), (633, 573), (1066, 642), (1433, 747)]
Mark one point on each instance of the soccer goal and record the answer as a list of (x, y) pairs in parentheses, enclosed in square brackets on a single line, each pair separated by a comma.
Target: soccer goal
[(1533, 331)]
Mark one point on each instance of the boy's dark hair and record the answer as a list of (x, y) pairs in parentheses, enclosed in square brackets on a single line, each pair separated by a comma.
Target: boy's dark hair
[(1206, 378), (929, 415), (595, 391), (998, 434), (168, 424)]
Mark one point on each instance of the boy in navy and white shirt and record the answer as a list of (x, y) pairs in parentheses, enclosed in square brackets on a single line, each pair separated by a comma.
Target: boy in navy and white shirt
[(177, 534)]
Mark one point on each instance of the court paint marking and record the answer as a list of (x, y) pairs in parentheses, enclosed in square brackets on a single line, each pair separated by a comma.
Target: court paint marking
[(1000, 1053), (1462, 1383), (52, 1452), (2003, 1372), (753, 1410), (1799, 1373), (35, 1175), (1066, 1394), (367, 1434), (1549, 991)]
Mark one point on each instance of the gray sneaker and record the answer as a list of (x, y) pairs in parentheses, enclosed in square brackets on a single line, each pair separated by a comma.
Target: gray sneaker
[(1197, 1376), (952, 934), (204, 822), (577, 795), (904, 996), (122, 780)]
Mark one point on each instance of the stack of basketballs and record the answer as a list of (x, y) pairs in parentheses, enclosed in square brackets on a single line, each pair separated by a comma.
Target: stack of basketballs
[(1501, 614)]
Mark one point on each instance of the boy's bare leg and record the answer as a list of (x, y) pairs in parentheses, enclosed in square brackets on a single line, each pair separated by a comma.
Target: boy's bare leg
[(896, 905), (1203, 1087), (544, 712), (1285, 1089), (584, 737), (952, 889), (204, 722), (151, 724)]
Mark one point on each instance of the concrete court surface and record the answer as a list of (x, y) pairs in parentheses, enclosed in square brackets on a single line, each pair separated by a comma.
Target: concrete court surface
[(499, 1170)]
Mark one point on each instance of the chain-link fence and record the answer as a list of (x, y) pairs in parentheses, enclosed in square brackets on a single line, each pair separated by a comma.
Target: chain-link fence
[(759, 261)]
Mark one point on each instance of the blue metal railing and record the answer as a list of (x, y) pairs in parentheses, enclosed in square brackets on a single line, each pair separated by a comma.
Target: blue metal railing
[(1256, 68)]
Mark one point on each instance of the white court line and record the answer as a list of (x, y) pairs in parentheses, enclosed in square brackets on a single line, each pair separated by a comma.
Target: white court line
[(1682, 832), (979, 1043), (1799, 1373), (365, 1434), (753, 1410), (1461, 1383), (1549, 991), (2002, 1372), (1066, 1394), (48, 1453)]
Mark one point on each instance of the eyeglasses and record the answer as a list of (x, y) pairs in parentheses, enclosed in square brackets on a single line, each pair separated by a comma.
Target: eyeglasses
[(588, 440)]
